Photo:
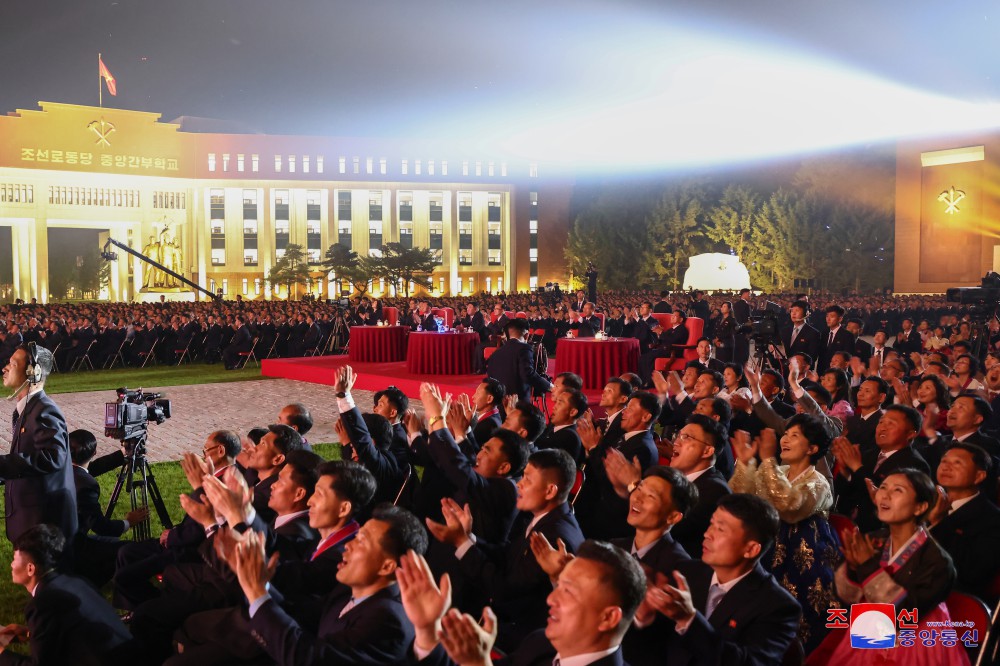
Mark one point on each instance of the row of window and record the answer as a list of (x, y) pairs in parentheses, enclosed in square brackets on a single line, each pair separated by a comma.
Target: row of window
[(306, 163), (93, 196), (14, 193), (172, 200), (345, 286)]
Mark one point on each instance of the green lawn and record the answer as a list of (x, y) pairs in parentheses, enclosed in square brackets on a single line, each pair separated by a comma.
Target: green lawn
[(157, 376), (170, 480)]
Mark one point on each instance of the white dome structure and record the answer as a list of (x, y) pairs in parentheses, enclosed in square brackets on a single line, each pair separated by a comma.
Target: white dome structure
[(714, 271)]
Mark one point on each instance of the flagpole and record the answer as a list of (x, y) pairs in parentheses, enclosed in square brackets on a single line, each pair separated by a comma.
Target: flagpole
[(100, 87)]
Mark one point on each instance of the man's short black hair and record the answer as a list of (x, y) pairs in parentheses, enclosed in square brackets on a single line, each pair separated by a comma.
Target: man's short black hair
[(680, 313), (633, 379), (380, 430), (821, 395), (623, 386), (649, 404), (980, 456), (496, 390), (683, 493), (758, 516), (622, 574), (256, 434), (396, 398), (911, 414), (229, 440), (561, 464), (779, 381), (979, 403), (571, 380), (405, 532), (43, 544), (800, 304), (715, 433), (351, 482), (717, 378), (722, 409), (300, 418), (883, 386), (838, 310), (82, 446), (304, 466), (287, 439), (532, 419), (577, 401), (515, 450)]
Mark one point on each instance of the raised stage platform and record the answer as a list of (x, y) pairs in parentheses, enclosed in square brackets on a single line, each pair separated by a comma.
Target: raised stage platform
[(376, 376)]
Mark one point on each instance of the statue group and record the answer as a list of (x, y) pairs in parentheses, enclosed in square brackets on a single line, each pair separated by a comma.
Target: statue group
[(164, 250)]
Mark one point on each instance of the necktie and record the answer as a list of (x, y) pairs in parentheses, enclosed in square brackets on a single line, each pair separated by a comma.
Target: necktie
[(795, 333), (13, 423), (715, 594), (830, 341), (347, 607), (881, 459), (878, 356)]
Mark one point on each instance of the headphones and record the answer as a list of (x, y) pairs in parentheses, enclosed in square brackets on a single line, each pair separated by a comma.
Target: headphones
[(33, 370)]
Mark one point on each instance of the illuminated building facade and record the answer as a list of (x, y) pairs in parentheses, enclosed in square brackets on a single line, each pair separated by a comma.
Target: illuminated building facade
[(234, 202), (947, 212)]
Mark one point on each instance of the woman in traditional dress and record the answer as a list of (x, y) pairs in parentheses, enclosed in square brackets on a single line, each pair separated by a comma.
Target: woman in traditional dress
[(806, 550), (900, 565)]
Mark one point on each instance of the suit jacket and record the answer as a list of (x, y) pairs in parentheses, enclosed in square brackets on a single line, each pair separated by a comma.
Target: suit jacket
[(376, 631), (242, 341), (534, 650), (971, 535), (663, 557), (602, 512), (753, 624), (485, 428), (39, 476), (508, 574), (842, 341), (669, 338), (566, 439), (513, 365), (690, 531), (861, 431), (69, 622), (808, 341), (741, 311), (90, 517), (476, 323), (862, 350), (852, 495), (492, 501), (911, 343), (381, 463)]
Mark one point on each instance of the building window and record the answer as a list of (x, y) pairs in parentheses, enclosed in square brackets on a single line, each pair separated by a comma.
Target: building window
[(211, 285), (256, 286), (375, 235), (382, 165), (218, 257), (406, 234), (250, 257), (494, 257), (503, 169), (211, 161), (319, 164), (441, 285), (291, 164), (404, 167), (436, 212), (246, 286), (225, 161), (465, 257), (342, 164), (255, 163), (405, 206), (489, 285), (343, 205), (479, 168), (436, 236), (533, 254), (430, 167), (249, 204), (489, 169), (416, 167), (375, 205), (499, 284), (444, 167), (225, 285), (533, 282), (277, 163), (305, 164), (313, 198), (465, 207), (357, 165), (472, 285), (344, 233), (465, 167), (533, 170), (240, 162)]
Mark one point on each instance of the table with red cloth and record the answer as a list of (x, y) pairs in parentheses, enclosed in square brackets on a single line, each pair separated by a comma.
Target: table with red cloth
[(597, 360), (377, 344), (441, 353)]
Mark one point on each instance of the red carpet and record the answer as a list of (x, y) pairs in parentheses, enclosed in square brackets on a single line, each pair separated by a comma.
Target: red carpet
[(376, 376)]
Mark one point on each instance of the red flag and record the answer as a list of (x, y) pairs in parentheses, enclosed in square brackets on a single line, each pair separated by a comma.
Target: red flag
[(106, 75)]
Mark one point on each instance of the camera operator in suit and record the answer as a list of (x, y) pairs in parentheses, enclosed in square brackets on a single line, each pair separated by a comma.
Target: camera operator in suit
[(37, 471)]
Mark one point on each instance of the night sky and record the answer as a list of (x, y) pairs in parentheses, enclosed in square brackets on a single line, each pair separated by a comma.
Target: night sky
[(428, 67)]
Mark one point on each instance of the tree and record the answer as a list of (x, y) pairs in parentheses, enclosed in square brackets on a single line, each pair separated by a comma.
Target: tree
[(611, 233), (400, 264), (731, 224), (92, 273), (362, 273), (291, 269), (676, 231), (794, 237), (62, 275)]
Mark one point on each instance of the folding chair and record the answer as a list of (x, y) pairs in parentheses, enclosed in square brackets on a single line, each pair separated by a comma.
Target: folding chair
[(55, 365), (117, 356), (405, 484), (247, 355), (184, 353), (574, 492), (151, 354), (83, 359)]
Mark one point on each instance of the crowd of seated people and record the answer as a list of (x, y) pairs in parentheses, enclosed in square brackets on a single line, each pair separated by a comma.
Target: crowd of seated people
[(713, 516)]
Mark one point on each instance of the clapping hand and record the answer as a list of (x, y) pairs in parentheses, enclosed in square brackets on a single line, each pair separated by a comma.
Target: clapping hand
[(200, 510), (620, 472), (423, 600), (252, 568), (661, 383), (857, 548), (457, 523), (467, 642), (230, 499), (195, 469), (673, 601), (434, 404), (847, 454), (460, 416), (345, 379), (767, 444), (590, 436), (551, 560), (744, 448), (412, 422), (902, 392)]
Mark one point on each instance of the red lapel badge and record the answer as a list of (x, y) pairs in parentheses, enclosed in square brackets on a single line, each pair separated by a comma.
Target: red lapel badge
[(732, 624)]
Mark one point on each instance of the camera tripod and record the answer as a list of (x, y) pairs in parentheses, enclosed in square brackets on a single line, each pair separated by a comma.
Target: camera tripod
[(141, 490)]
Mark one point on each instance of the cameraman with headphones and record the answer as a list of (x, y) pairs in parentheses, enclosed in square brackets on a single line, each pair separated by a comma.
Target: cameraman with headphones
[(37, 472)]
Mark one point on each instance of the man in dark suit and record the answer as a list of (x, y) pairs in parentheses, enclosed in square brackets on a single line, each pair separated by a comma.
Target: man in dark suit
[(837, 339), (513, 364), (662, 306), (658, 502), (862, 349), (601, 510), (670, 341), (590, 610), (486, 401), (12, 339), (392, 403), (966, 417), (423, 318), (567, 408), (861, 471), (726, 609), (800, 337), (39, 484), (242, 342), (614, 398), (587, 325), (474, 321), (908, 339), (860, 428), (639, 325), (363, 621), (506, 575), (68, 621)]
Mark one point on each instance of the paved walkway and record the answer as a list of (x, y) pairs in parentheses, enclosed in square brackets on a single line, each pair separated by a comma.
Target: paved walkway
[(200, 409)]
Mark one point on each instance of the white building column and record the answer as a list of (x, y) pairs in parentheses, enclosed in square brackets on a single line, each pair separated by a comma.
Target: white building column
[(30, 245)]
